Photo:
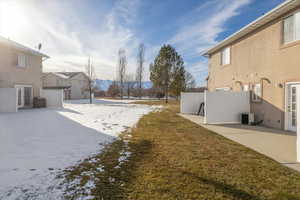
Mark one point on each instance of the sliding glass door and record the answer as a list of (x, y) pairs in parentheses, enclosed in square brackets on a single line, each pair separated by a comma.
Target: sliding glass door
[(24, 94)]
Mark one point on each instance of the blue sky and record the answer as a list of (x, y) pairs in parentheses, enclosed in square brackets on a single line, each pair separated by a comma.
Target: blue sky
[(72, 30)]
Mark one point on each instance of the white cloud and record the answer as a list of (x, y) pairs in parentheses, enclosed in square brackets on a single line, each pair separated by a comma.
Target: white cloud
[(211, 20), (70, 31), (201, 32), (68, 38)]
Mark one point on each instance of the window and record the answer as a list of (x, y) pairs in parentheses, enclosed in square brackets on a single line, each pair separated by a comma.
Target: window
[(225, 56), (22, 59), (291, 28), (223, 89), (256, 93)]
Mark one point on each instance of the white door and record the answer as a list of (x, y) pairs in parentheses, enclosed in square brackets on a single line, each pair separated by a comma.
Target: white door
[(292, 108)]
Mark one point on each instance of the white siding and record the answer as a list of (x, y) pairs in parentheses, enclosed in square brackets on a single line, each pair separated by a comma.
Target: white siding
[(79, 88)]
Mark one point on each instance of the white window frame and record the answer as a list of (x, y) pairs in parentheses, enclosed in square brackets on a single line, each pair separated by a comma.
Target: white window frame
[(22, 60), (226, 56), (296, 28), (256, 92)]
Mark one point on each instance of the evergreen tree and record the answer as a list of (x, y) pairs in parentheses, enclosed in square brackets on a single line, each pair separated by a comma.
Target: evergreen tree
[(167, 69), (178, 83)]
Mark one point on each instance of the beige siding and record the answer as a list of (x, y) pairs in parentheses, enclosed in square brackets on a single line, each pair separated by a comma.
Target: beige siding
[(51, 80), (79, 88), (11, 75), (260, 55), (79, 84)]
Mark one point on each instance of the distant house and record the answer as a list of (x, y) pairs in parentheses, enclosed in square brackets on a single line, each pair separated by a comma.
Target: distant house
[(75, 84), (21, 68)]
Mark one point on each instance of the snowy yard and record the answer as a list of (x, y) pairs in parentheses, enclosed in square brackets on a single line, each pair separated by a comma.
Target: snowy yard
[(36, 144)]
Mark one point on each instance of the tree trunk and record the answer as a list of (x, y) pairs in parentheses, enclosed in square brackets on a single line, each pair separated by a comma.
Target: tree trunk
[(128, 92), (121, 90), (167, 94), (90, 87), (140, 91)]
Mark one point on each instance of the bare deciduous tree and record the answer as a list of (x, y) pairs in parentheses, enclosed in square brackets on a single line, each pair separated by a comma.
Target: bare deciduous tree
[(114, 89), (189, 80), (129, 84), (122, 62), (90, 72), (140, 68)]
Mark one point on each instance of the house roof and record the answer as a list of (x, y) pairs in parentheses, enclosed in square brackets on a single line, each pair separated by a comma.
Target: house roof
[(56, 87), (73, 74), (66, 75), (21, 47), (62, 75), (69, 74), (55, 74), (278, 11)]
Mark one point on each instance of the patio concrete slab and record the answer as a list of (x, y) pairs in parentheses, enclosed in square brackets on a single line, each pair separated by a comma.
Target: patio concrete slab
[(276, 144)]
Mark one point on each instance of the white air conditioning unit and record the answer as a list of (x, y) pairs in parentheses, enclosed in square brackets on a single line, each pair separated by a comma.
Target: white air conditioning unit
[(247, 118)]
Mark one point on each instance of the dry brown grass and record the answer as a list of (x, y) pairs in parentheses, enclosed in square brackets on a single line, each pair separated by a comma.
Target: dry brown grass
[(172, 158)]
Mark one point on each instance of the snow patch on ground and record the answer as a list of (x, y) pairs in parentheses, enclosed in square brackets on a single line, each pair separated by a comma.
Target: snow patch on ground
[(36, 145)]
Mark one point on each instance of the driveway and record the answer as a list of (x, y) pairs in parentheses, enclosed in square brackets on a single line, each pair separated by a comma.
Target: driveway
[(276, 144), (37, 144)]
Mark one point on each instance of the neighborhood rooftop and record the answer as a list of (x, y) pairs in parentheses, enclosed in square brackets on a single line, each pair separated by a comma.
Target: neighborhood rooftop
[(261, 21), (69, 74), (21, 47), (64, 75)]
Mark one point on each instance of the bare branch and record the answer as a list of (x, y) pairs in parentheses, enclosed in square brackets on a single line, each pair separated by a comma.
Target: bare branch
[(90, 72), (122, 63)]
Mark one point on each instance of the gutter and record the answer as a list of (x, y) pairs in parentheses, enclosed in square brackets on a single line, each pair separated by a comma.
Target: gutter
[(45, 58)]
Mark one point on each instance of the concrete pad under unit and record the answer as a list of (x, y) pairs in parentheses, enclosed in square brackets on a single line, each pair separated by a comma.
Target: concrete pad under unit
[(276, 144)]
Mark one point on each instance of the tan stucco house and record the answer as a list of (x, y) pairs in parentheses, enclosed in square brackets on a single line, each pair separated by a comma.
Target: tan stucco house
[(264, 58), (75, 84), (21, 68)]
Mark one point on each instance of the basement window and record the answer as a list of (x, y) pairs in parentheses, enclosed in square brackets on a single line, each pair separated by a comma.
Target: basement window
[(223, 89)]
